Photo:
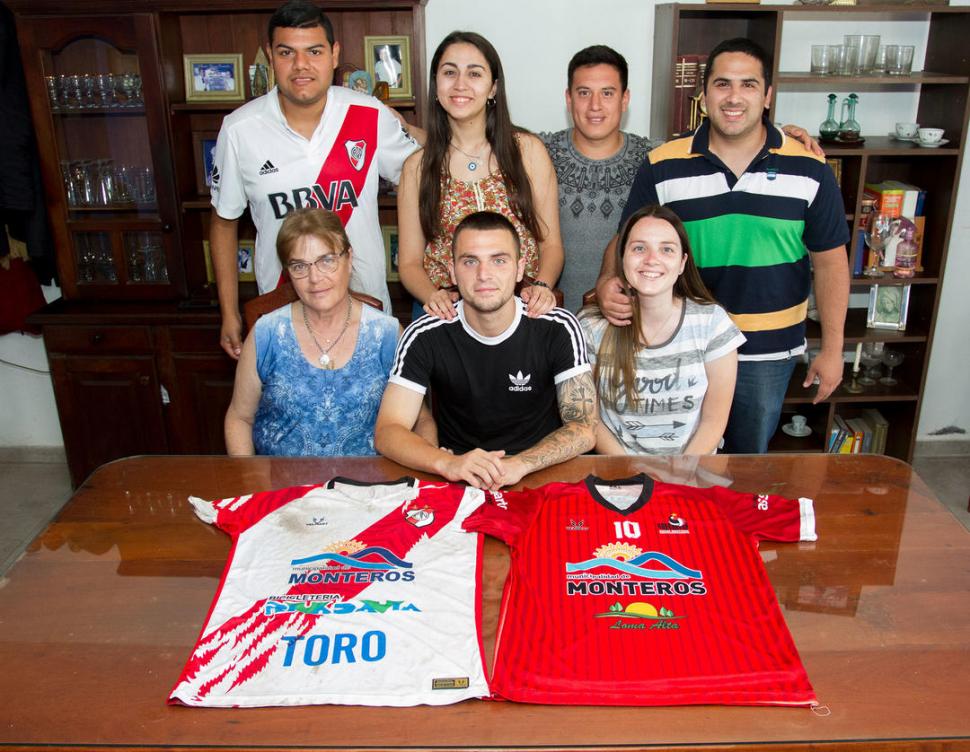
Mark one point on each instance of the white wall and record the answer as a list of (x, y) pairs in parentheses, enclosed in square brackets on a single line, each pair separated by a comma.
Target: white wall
[(535, 39), (27, 413)]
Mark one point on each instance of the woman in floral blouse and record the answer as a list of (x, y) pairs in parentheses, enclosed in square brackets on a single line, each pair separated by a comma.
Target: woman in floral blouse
[(474, 159)]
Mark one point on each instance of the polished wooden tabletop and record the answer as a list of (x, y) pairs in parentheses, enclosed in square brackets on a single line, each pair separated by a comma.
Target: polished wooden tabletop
[(99, 616)]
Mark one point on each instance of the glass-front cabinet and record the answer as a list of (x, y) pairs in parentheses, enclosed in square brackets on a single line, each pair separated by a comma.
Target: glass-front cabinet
[(104, 119)]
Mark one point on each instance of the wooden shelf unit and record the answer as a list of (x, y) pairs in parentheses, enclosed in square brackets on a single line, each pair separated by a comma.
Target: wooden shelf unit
[(943, 89), (137, 367)]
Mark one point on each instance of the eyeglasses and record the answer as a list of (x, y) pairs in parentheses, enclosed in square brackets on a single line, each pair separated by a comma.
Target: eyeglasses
[(325, 264)]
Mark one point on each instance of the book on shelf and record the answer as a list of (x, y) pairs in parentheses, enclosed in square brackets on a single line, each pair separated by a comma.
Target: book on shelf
[(863, 435), (842, 438), (886, 199), (880, 428), (836, 164), (859, 262)]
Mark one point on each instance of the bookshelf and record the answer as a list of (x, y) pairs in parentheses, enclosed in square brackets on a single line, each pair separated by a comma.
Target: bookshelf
[(940, 92)]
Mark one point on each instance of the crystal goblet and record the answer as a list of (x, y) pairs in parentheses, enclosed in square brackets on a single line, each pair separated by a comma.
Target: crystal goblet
[(891, 359)]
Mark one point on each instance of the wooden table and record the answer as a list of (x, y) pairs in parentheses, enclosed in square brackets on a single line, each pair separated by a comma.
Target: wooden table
[(98, 618)]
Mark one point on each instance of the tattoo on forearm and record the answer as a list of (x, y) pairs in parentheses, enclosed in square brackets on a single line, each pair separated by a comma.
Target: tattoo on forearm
[(577, 408)]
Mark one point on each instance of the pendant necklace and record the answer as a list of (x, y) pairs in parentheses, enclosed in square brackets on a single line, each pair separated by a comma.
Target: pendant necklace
[(472, 159), (325, 360)]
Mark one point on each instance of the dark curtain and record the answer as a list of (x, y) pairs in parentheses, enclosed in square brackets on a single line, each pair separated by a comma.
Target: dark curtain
[(23, 211)]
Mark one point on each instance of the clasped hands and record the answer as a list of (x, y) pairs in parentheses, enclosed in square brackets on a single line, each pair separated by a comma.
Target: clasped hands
[(480, 468)]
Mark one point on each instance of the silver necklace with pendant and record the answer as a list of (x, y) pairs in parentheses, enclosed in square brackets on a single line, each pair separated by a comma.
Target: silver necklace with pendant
[(472, 159), (325, 360)]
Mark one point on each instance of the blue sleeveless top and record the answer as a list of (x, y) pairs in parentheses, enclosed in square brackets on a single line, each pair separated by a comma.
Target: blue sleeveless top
[(306, 411)]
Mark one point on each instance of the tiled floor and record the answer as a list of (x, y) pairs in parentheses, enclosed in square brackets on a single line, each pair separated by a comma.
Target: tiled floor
[(31, 493)]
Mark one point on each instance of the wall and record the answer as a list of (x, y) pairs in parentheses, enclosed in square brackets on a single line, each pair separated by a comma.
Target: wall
[(536, 82), (29, 417)]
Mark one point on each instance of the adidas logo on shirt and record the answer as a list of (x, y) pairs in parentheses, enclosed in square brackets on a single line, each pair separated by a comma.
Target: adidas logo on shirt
[(520, 383), (267, 168)]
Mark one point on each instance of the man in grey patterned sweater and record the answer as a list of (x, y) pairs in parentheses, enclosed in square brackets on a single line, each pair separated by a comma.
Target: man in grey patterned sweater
[(595, 164)]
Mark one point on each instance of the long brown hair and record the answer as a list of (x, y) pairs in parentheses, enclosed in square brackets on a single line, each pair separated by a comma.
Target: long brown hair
[(499, 131), (616, 359)]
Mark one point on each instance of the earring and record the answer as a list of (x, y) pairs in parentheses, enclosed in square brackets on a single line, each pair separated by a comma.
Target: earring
[(490, 101)]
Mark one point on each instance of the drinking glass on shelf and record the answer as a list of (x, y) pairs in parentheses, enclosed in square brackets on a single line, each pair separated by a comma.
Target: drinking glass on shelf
[(879, 64), (849, 64), (105, 85), (867, 52), (899, 59), (136, 90), (128, 88), (88, 88), (877, 234), (891, 359), (105, 171), (86, 257), (52, 91), (75, 91), (870, 359), (821, 63), (105, 258)]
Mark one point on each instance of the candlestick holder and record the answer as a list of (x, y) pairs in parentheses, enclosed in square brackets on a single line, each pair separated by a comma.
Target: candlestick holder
[(853, 386)]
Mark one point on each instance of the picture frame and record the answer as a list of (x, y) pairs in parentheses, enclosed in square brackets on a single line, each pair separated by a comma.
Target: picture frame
[(389, 232), (203, 148), (388, 60), (888, 307), (359, 80), (214, 78), (246, 261)]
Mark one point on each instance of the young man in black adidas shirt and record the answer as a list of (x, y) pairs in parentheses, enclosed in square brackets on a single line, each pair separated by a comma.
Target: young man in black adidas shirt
[(511, 394)]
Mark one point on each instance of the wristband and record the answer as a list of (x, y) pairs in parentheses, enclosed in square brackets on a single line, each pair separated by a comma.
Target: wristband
[(539, 283)]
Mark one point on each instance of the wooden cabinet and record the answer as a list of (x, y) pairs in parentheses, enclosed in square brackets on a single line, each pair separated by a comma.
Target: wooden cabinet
[(941, 92), (99, 111), (134, 345), (146, 379)]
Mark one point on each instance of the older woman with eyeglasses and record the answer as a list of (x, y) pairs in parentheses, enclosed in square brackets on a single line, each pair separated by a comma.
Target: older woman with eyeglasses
[(312, 373)]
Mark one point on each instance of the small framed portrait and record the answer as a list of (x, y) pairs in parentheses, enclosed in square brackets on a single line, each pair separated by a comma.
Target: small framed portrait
[(389, 61), (245, 260), (888, 307), (390, 251), (204, 149), (360, 80), (213, 78)]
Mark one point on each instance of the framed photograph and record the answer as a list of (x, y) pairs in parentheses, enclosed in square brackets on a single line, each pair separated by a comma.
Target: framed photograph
[(246, 260), (389, 61), (204, 149), (214, 78), (360, 80), (888, 307), (390, 251)]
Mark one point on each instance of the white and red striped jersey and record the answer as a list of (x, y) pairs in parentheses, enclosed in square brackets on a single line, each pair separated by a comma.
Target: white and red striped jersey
[(637, 592), (263, 164), (348, 593)]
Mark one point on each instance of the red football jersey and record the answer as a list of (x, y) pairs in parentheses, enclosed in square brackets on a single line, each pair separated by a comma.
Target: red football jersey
[(637, 592)]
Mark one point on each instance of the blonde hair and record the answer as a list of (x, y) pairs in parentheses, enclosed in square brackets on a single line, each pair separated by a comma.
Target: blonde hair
[(319, 223)]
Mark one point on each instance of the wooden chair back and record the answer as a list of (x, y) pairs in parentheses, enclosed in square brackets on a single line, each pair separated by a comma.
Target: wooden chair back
[(270, 301)]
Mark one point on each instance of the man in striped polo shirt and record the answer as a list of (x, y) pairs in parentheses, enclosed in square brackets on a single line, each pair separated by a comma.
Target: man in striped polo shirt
[(757, 207)]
